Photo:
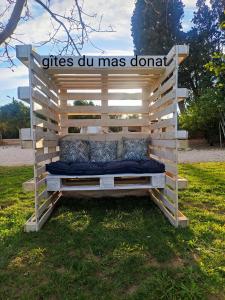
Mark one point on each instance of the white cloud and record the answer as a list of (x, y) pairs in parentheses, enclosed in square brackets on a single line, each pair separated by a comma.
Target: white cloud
[(111, 53), (11, 80), (192, 3), (116, 14), (186, 25), (189, 3)]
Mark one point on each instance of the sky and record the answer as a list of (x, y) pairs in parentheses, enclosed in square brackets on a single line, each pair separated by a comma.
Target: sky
[(114, 43)]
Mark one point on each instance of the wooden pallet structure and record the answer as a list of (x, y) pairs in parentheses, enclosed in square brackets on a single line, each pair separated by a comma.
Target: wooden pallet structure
[(105, 182), (150, 93)]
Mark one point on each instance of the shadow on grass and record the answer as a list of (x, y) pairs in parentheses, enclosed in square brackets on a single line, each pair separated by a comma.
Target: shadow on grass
[(104, 249)]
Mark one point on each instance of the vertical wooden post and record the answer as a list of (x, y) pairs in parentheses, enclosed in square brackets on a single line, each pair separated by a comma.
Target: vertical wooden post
[(104, 102)]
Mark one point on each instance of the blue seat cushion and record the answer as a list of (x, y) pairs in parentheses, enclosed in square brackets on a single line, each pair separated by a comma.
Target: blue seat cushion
[(102, 168)]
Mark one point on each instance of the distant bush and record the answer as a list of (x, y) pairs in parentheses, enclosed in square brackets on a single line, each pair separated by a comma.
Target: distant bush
[(13, 116), (204, 114)]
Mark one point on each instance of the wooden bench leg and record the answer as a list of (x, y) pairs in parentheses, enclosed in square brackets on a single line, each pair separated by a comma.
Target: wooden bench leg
[(54, 184)]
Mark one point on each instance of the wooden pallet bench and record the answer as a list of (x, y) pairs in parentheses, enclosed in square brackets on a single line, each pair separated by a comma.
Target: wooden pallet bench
[(50, 94), (105, 182)]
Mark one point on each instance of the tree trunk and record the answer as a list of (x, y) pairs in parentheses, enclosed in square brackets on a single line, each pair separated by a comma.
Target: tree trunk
[(181, 106), (13, 21)]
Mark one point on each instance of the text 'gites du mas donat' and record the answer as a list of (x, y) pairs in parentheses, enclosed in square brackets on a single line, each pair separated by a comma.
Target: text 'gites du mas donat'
[(104, 62)]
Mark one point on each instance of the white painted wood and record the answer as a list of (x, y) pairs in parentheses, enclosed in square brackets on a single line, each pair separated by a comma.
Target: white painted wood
[(164, 123), (164, 143), (132, 175), (45, 124), (162, 81), (182, 134), (44, 78), (158, 135), (171, 182), (46, 113), (169, 205), (23, 53), (30, 225), (28, 186), (182, 93), (25, 134), (44, 101), (38, 83), (45, 144), (90, 110), (53, 184), (105, 123), (171, 109), (46, 156), (148, 71), (165, 154), (161, 205), (23, 93), (116, 187), (40, 183), (48, 212), (162, 101), (181, 50), (158, 181), (105, 136), (166, 86), (39, 170), (106, 182)]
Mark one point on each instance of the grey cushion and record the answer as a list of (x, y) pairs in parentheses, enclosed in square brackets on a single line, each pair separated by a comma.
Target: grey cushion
[(135, 149), (120, 149), (74, 151), (102, 151)]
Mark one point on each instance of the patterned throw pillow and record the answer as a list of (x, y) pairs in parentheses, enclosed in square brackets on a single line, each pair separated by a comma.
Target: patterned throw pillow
[(135, 149), (77, 151), (103, 151)]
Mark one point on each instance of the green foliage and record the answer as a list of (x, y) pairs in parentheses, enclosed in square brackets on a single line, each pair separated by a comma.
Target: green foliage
[(203, 115), (204, 38), (202, 70), (114, 248), (156, 26), (217, 67), (217, 63), (13, 116), (83, 102)]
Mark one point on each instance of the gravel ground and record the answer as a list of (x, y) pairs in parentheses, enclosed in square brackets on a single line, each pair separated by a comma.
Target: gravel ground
[(202, 155), (15, 156)]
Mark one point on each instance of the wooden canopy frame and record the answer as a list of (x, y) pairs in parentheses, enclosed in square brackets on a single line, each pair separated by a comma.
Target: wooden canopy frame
[(50, 91)]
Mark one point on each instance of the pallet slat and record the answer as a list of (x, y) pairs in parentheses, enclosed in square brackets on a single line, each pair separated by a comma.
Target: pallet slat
[(104, 123)]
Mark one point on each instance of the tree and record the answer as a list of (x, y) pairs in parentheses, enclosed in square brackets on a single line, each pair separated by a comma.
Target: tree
[(205, 110), (13, 116), (204, 38), (204, 114), (217, 63), (83, 103), (71, 28), (156, 26)]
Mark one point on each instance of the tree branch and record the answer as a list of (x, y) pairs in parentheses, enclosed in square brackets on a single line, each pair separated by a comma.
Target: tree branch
[(13, 21), (61, 23)]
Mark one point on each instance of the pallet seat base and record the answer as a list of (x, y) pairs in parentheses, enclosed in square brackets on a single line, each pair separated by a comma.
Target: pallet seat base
[(105, 182)]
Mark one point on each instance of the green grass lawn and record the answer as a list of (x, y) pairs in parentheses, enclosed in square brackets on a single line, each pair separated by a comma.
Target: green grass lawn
[(115, 249)]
